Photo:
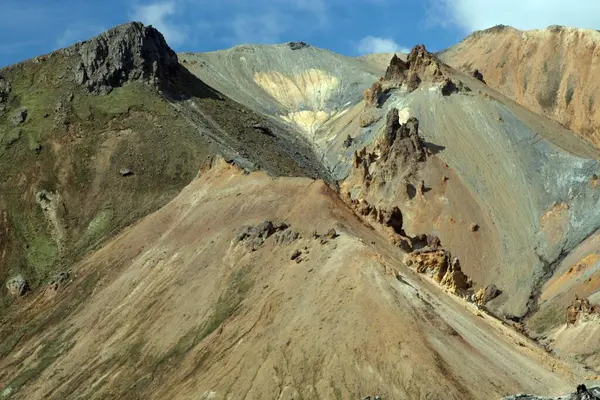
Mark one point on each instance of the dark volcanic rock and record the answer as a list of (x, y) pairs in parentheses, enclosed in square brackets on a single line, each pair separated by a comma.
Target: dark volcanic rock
[(392, 217), (128, 52), (254, 236), (392, 125), (297, 45), (4, 89), (396, 70), (478, 75)]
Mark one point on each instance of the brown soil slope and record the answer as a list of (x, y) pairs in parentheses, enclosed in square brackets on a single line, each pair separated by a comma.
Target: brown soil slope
[(180, 306), (551, 71), (91, 141)]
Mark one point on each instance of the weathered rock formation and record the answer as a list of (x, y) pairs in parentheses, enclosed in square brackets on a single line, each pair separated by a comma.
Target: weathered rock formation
[(421, 66), (580, 310), (396, 154), (4, 89), (253, 237), (444, 269), (128, 52), (486, 294), (297, 45)]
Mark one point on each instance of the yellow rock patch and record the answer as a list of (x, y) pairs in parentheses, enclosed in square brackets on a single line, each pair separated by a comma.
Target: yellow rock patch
[(304, 95)]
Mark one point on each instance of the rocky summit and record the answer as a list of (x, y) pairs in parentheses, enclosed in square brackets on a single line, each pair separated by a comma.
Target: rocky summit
[(283, 222)]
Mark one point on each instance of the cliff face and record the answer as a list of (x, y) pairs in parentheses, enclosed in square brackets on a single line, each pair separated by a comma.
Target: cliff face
[(128, 52), (551, 71)]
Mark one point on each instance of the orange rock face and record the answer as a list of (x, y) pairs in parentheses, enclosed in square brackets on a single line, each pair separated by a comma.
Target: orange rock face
[(551, 71)]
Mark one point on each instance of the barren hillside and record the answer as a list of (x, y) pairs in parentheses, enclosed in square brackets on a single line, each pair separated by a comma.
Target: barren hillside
[(281, 222), (552, 71), (182, 305)]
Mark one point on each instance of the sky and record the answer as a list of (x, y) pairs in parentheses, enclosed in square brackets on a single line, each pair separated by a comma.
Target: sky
[(352, 27)]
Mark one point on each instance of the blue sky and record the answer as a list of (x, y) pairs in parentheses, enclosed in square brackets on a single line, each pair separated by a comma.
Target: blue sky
[(352, 27)]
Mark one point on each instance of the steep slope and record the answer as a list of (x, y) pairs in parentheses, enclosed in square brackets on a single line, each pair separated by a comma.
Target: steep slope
[(95, 136), (299, 84), (189, 303), (551, 71), (520, 167)]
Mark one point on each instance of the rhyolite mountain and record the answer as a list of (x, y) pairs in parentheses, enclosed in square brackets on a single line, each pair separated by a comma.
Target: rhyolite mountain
[(279, 221)]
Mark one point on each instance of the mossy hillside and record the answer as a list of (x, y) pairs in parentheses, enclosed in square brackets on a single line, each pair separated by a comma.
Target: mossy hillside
[(73, 143)]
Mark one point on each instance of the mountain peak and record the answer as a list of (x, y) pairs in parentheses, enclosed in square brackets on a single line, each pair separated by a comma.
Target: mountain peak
[(127, 52)]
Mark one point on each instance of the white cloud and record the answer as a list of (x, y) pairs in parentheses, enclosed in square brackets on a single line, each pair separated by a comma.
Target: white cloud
[(372, 44), (473, 15), (159, 15)]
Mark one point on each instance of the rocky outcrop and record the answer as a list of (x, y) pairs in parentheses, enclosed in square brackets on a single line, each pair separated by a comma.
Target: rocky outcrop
[(372, 94), (128, 52), (4, 89), (297, 45), (285, 237), (486, 294), (19, 117), (444, 269), (392, 217), (478, 75), (396, 70), (253, 237), (581, 310), (17, 285), (420, 66), (397, 153)]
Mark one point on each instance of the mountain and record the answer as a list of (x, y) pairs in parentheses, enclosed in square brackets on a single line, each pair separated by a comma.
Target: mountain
[(89, 145), (551, 71), (279, 221)]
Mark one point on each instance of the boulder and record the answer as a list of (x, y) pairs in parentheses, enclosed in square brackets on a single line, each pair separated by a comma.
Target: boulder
[(348, 141), (372, 94), (125, 172), (295, 254), (486, 294), (17, 285), (478, 75), (19, 116)]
